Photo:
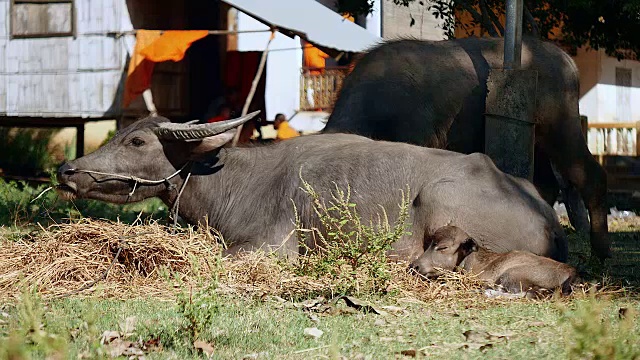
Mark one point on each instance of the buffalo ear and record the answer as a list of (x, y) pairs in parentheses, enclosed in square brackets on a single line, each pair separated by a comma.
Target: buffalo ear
[(214, 142), (468, 246)]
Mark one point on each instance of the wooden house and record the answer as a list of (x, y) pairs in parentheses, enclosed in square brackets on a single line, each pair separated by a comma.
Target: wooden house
[(64, 62)]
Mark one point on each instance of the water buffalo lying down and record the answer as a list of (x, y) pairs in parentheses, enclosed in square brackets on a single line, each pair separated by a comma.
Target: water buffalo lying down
[(433, 93), (246, 192), (515, 271)]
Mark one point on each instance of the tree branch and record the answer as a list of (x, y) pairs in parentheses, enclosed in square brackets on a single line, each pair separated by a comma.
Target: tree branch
[(478, 18), (495, 21), (529, 18)]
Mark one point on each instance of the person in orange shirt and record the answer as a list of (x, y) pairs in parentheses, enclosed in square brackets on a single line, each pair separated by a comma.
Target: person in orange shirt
[(284, 130)]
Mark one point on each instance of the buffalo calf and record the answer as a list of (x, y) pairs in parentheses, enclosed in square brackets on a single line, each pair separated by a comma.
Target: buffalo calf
[(515, 271)]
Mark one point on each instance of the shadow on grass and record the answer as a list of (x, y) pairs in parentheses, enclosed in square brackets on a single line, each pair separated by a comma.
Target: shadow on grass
[(623, 269)]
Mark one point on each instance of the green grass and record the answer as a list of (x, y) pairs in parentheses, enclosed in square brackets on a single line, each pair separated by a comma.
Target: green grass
[(244, 326), (236, 325), (580, 328), (19, 207)]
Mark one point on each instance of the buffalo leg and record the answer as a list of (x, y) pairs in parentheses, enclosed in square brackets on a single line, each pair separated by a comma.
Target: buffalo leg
[(569, 153), (543, 177), (578, 216)]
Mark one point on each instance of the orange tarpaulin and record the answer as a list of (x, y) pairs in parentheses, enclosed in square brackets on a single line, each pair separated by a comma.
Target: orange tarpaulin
[(154, 46), (315, 59), (140, 69), (172, 45)]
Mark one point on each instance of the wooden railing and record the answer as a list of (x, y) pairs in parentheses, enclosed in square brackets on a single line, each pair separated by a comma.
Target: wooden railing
[(614, 139), (319, 88)]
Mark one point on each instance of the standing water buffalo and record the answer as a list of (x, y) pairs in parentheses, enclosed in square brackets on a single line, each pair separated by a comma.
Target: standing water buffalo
[(246, 192), (433, 93)]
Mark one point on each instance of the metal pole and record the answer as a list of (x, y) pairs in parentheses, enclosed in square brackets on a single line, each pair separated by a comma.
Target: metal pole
[(513, 34)]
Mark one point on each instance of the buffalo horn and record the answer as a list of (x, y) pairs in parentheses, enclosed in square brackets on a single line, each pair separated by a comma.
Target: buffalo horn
[(186, 132)]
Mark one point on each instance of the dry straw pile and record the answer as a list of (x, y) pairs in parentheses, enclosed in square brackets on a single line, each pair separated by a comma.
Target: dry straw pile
[(64, 258), (73, 259)]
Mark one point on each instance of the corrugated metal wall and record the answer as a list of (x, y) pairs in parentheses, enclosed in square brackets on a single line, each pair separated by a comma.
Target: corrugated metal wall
[(63, 76)]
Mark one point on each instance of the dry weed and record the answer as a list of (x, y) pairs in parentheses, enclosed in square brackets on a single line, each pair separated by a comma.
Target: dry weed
[(64, 258)]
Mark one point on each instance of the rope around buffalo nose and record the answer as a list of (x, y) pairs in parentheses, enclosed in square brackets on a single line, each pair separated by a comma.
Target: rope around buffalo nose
[(141, 181)]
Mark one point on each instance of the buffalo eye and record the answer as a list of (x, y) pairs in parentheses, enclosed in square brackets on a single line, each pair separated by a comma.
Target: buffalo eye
[(441, 248), (137, 142)]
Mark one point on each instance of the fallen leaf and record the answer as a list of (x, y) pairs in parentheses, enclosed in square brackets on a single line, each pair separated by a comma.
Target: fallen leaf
[(313, 332), (475, 336), (119, 347), (491, 293), (361, 305), (255, 355), (313, 302), (472, 346), (108, 336), (410, 352), (128, 327), (393, 309), (498, 336), (537, 324), (204, 346), (622, 313), (152, 345)]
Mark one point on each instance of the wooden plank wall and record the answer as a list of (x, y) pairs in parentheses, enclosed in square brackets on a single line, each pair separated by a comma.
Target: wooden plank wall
[(64, 76), (82, 75)]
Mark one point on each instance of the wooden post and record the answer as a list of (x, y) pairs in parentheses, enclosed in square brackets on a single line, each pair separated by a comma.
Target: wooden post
[(80, 141), (254, 86), (637, 138)]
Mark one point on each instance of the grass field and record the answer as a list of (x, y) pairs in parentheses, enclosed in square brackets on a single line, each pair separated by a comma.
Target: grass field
[(164, 301)]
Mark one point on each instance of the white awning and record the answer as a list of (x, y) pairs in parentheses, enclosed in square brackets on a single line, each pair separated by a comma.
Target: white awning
[(311, 21), (309, 121)]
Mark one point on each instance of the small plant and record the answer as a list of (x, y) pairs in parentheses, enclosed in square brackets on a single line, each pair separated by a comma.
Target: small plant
[(27, 151), (28, 333), (110, 135), (19, 206), (198, 309), (351, 252), (594, 335)]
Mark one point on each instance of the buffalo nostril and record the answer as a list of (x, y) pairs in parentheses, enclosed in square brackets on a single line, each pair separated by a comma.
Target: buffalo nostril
[(66, 170)]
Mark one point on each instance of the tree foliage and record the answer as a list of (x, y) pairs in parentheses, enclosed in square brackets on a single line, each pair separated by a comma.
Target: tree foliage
[(612, 25)]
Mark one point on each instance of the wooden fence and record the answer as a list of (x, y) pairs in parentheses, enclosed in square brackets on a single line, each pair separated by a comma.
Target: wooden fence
[(319, 88), (620, 139), (614, 139)]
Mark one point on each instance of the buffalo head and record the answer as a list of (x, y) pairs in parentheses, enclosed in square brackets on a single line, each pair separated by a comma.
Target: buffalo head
[(449, 246), (139, 160)]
